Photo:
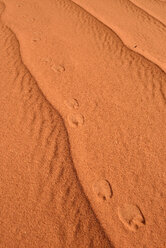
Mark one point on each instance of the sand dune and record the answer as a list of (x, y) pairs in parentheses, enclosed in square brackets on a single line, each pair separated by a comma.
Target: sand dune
[(105, 187), (156, 8), (42, 202), (140, 32)]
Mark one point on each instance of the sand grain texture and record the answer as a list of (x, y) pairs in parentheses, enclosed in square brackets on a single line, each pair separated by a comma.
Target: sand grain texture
[(141, 32), (98, 79), (42, 202), (155, 8)]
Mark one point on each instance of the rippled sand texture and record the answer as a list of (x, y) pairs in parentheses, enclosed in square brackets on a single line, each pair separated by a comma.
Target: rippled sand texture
[(112, 100), (155, 8), (140, 24), (42, 203)]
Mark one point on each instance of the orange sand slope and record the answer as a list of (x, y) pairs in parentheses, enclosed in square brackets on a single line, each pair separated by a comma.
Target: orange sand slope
[(155, 8), (112, 102), (140, 31), (42, 202)]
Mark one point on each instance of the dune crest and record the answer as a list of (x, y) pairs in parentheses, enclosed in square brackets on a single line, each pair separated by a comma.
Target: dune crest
[(39, 185), (112, 100), (135, 30), (155, 8)]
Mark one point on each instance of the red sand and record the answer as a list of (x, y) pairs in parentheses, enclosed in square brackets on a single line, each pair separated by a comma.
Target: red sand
[(83, 124)]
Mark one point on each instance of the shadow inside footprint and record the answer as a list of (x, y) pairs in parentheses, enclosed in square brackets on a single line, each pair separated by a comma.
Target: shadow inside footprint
[(103, 190), (131, 216), (75, 120)]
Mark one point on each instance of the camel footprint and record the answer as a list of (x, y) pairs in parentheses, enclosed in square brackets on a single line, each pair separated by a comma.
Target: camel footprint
[(131, 216), (72, 104), (103, 190), (75, 120), (57, 68)]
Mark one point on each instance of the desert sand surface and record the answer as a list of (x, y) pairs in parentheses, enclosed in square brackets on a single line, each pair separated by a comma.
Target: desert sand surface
[(133, 23), (155, 8), (83, 124)]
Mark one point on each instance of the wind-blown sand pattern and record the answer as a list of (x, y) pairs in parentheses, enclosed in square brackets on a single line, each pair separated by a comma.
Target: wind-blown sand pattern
[(140, 31), (156, 8), (106, 187), (42, 202)]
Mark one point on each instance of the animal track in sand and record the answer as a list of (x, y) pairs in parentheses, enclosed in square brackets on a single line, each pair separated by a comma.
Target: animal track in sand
[(71, 103), (36, 39), (131, 216), (52, 180), (56, 68), (59, 68), (103, 190), (46, 60), (75, 120)]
